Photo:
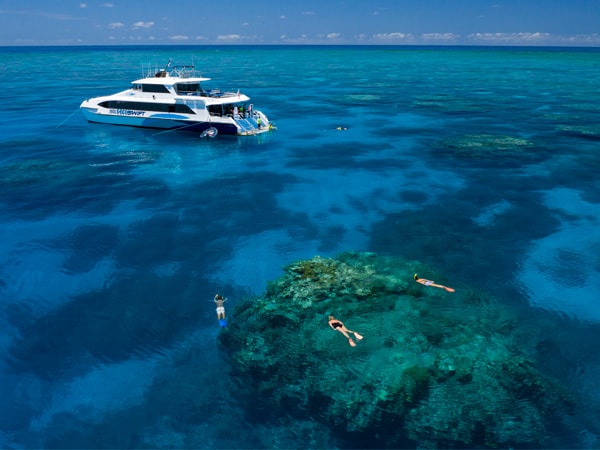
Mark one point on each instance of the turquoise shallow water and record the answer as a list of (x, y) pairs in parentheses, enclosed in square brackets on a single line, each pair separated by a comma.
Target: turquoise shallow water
[(481, 162)]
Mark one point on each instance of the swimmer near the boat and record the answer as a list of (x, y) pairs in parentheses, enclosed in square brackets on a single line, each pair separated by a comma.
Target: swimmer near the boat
[(425, 282), (209, 133)]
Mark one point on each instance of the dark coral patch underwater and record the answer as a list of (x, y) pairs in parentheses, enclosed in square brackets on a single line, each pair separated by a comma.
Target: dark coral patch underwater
[(433, 370)]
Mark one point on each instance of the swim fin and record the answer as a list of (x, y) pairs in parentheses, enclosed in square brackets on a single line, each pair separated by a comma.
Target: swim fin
[(223, 323)]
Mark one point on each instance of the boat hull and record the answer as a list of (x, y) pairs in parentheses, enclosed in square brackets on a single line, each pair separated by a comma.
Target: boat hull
[(160, 122)]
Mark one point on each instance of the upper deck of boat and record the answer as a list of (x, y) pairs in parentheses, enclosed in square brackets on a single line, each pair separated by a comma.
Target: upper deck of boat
[(172, 75), (180, 81)]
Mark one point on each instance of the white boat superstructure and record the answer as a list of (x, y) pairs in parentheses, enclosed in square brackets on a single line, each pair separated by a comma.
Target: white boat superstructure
[(174, 98)]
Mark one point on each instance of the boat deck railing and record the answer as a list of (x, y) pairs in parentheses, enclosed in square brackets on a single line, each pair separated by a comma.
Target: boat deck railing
[(183, 71), (216, 93), (212, 93), (174, 71)]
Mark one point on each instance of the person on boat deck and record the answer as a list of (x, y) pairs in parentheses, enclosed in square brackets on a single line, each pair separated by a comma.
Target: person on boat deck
[(425, 282), (338, 325), (219, 300), (258, 122)]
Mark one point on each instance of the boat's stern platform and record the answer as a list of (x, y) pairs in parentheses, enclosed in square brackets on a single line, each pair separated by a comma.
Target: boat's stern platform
[(255, 124)]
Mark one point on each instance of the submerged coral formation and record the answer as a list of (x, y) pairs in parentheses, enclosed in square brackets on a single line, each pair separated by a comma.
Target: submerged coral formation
[(434, 369), (485, 147), (489, 143)]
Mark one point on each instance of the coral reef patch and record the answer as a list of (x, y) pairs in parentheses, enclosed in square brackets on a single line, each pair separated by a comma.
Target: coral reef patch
[(434, 369), (484, 148)]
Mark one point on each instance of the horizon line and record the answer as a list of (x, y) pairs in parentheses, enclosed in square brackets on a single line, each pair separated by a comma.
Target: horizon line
[(316, 44)]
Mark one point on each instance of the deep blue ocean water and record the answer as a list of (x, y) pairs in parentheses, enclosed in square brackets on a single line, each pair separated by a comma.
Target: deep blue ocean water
[(481, 162)]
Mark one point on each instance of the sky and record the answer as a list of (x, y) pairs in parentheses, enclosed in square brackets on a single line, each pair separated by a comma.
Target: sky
[(301, 22)]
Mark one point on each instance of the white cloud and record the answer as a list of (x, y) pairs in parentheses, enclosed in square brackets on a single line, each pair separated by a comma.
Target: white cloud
[(282, 17), (115, 25), (179, 37), (308, 13), (440, 37), (581, 39), (333, 36), (393, 36), (302, 39), (483, 38), (510, 38), (141, 24), (83, 5), (228, 37), (108, 5)]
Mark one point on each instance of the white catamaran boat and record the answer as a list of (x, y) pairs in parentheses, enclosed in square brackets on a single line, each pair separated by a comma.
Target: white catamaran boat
[(173, 98)]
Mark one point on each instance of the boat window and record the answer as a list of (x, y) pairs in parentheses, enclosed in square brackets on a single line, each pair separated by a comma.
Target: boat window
[(147, 106), (158, 88), (215, 110), (184, 88)]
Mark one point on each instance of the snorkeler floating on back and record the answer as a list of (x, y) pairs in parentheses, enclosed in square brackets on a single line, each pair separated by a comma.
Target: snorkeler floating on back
[(425, 282)]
